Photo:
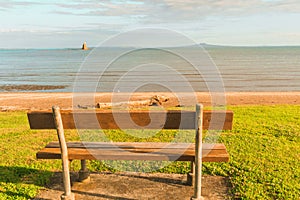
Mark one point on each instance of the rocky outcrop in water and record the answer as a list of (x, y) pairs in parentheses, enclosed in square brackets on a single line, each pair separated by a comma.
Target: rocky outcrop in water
[(84, 46)]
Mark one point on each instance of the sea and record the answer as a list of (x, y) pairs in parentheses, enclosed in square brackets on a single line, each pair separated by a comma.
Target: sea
[(177, 69)]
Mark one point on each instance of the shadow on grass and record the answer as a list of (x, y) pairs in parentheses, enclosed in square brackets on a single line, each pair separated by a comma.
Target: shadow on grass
[(21, 182), (17, 174), (15, 195)]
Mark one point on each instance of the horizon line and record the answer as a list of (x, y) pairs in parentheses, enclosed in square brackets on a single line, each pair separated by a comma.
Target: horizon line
[(200, 44)]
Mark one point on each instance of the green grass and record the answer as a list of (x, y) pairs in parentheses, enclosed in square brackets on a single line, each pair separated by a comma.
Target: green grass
[(264, 149), (265, 153)]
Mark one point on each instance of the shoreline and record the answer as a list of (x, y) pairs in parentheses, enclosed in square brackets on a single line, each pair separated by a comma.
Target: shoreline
[(45, 100)]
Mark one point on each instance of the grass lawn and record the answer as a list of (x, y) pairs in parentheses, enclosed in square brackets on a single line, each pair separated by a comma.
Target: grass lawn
[(264, 148)]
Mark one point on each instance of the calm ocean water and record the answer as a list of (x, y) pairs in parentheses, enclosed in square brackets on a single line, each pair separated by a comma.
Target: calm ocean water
[(239, 69)]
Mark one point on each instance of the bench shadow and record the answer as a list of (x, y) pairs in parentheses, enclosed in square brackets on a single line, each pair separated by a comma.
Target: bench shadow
[(100, 195), (110, 179), (213, 186), (159, 179), (55, 184)]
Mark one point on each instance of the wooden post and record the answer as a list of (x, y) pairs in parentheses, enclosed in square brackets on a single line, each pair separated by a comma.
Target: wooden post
[(64, 154), (198, 153), (191, 174), (84, 174)]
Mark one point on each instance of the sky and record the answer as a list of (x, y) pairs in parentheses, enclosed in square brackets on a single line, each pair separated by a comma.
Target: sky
[(67, 24)]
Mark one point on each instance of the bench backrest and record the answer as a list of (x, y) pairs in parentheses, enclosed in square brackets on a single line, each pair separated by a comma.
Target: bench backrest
[(173, 119)]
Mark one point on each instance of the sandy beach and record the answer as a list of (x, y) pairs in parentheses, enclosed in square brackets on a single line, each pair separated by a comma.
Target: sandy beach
[(44, 101)]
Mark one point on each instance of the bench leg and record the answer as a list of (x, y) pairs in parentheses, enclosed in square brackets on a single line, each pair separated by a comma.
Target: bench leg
[(84, 174), (67, 182), (198, 153), (64, 154), (190, 175)]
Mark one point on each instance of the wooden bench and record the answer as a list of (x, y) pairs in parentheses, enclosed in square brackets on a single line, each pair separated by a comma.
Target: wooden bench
[(194, 152)]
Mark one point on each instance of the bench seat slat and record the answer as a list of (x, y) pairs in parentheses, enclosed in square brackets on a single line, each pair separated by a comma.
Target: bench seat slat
[(135, 151)]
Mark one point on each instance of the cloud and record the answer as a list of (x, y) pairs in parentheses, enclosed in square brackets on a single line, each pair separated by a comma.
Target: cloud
[(161, 11), (286, 6), (102, 8), (199, 19), (168, 11), (6, 5), (172, 8)]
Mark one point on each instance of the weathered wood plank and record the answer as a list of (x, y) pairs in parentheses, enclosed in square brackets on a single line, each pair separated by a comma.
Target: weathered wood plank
[(136, 151), (216, 120), (135, 145)]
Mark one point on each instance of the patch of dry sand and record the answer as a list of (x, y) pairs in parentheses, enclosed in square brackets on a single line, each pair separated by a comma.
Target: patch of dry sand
[(128, 186), (44, 101)]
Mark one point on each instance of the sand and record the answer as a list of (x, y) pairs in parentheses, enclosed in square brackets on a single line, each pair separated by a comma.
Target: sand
[(133, 185), (44, 101)]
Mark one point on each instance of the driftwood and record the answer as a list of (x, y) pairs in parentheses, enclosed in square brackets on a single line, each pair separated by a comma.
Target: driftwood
[(155, 100)]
